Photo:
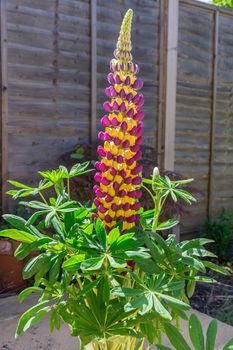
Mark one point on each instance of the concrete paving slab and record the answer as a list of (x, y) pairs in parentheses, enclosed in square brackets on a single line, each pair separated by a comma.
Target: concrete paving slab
[(39, 337)]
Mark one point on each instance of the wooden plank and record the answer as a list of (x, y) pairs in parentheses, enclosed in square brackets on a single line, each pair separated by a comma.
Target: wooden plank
[(171, 74), (213, 116), (206, 7), (159, 138), (4, 102), (93, 73)]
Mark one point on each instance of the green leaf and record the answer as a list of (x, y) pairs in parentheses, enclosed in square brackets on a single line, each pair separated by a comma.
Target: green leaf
[(173, 286), (100, 232), (79, 169), (161, 309), (182, 182), (126, 292), (24, 249), (28, 291), (149, 266), (196, 264), (16, 221), (194, 243), (113, 236), (176, 339), (37, 264), (178, 303), (216, 268), (35, 216), (195, 333), (36, 205), (24, 321), (211, 335), (18, 184), (74, 262), (55, 321), (116, 263), (92, 264), (166, 225), (18, 235), (203, 279), (139, 303), (55, 269)]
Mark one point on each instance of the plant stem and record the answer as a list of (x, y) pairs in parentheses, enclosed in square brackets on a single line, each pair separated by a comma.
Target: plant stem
[(43, 198), (68, 187)]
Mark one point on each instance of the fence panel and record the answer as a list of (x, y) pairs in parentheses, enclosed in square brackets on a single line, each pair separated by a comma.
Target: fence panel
[(194, 103)]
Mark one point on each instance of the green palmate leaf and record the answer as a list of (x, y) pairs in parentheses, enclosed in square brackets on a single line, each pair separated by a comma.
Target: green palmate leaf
[(74, 262), (19, 184), (161, 242), (24, 249), (194, 243), (182, 182), (186, 196), (196, 264), (100, 232), (176, 339), (191, 285), (113, 236), (149, 266), (139, 303), (40, 263), (20, 224), (211, 335), (25, 320), (195, 333), (92, 264), (16, 221), (36, 205), (158, 306), (35, 216), (28, 291), (166, 225), (203, 279), (79, 169), (173, 286), (55, 321), (199, 252), (116, 263), (173, 301), (55, 269), (126, 292), (18, 235), (216, 268)]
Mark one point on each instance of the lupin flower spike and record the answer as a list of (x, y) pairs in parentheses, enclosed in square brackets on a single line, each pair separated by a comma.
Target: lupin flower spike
[(118, 173)]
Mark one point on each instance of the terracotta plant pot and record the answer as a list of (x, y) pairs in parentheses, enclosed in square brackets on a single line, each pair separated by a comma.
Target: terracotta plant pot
[(10, 269)]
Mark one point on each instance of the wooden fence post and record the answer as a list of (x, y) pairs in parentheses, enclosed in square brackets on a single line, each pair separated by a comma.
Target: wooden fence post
[(4, 103), (93, 73), (213, 116), (170, 87)]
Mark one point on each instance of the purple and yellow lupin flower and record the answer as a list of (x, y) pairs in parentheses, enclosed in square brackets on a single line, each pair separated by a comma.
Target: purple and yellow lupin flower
[(118, 173)]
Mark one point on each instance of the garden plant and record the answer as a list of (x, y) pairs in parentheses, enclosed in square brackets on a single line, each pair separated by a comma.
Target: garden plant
[(104, 268)]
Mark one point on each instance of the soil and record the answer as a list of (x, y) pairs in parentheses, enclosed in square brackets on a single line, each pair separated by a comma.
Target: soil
[(215, 300)]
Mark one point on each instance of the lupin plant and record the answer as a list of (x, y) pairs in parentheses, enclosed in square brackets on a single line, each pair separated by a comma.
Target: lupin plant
[(119, 174), (106, 271)]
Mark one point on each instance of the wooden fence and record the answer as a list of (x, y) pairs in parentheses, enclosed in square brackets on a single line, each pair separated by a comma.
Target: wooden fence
[(54, 61)]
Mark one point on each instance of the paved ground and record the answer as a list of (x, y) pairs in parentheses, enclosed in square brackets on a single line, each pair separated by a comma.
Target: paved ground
[(38, 337)]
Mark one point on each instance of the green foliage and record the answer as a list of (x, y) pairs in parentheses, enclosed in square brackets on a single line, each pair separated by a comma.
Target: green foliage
[(111, 289), (196, 334), (220, 231), (223, 3)]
